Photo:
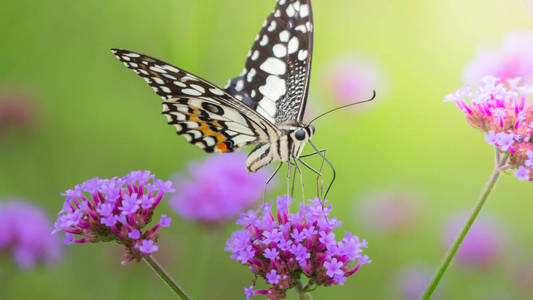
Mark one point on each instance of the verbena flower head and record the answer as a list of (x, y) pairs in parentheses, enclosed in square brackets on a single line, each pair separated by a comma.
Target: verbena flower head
[(219, 189), (483, 246), (26, 234), (353, 78), (118, 209), (281, 247), (503, 110), (513, 59)]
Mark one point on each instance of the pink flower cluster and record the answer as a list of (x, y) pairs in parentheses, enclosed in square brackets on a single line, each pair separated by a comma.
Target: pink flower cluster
[(503, 110), (513, 59), (26, 234), (209, 196), (280, 247), (116, 209)]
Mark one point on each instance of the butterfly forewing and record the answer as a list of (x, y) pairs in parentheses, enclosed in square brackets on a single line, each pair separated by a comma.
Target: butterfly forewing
[(275, 79), (203, 113)]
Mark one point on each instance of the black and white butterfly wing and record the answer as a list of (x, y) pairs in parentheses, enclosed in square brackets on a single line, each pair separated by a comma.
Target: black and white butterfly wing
[(206, 115), (275, 79)]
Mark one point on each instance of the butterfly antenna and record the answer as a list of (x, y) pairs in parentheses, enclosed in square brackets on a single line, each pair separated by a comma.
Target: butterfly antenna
[(344, 106), (329, 163)]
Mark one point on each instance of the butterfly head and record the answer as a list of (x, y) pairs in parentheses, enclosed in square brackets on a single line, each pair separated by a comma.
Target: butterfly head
[(303, 134)]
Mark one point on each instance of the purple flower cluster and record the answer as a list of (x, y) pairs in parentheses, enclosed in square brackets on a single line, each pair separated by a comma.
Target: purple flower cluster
[(116, 209), (26, 233), (219, 189), (280, 247), (504, 111), (483, 246)]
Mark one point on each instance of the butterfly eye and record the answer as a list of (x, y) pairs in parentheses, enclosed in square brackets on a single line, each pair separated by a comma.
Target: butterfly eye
[(311, 129), (300, 134)]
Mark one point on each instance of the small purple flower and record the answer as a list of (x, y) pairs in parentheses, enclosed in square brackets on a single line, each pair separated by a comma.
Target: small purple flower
[(273, 277), (277, 245), (147, 247), (116, 209), (249, 291), (484, 243), (522, 173), (333, 268), (26, 234), (210, 195), (271, 254)]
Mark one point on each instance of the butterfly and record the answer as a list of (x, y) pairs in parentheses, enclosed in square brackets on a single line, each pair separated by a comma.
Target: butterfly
[(264, 106)]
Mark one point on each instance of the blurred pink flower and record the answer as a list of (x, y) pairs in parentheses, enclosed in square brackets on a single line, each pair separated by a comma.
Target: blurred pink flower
[(389, 210), (26, 233), (220, 189), (17, 109), (354, 78), (484, 244), (514, 59), (412, 280)]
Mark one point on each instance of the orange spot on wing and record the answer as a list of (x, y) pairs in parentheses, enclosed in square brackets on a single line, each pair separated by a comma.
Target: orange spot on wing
[(206, 131)]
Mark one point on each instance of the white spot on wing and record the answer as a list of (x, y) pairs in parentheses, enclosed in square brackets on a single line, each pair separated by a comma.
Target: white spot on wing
[(301, 28), (293, 45), (216, 91), (279, 50), (157, 69), (171, 68), (255, 55), (179, 83), (272, 26), (264, 40), (290, 11), (304, 10), (273, 66), (302, 54), (132, 55), (210, 141), (169, 76), (268, 106), (250, 75), (274, 88), (165, 89), (191, 92), (284, 36), (198, 88), (158, 80)]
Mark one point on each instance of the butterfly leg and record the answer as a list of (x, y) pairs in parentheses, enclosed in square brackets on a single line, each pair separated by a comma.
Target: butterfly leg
[(288, 178), (270, 179), (319, 190), (319, 178), (301, 178), (293, 179), (314, 153)]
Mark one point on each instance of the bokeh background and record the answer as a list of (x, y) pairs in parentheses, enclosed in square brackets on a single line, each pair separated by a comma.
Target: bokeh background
[(79, 113)]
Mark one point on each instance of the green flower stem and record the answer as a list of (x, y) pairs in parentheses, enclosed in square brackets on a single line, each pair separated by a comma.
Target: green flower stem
[(302, 293), (156, 267), (460, 238)]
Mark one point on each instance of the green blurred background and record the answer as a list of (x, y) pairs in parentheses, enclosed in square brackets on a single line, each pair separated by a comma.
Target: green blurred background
[(97, 119)]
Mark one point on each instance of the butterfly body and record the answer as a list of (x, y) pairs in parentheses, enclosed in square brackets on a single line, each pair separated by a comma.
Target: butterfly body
[(263, 106)]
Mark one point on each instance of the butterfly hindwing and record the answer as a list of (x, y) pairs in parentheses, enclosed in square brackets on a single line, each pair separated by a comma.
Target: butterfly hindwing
[(275, 79), (203, 113)]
